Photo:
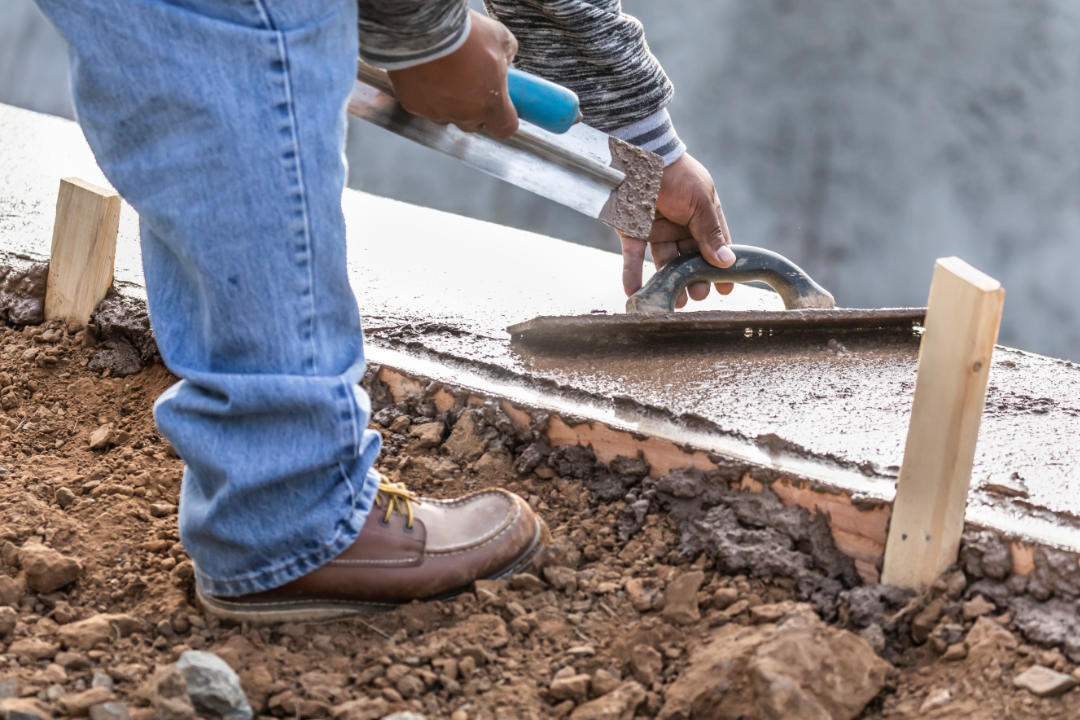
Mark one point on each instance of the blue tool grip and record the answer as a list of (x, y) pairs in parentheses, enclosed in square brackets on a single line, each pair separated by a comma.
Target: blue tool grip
[(542, 102)]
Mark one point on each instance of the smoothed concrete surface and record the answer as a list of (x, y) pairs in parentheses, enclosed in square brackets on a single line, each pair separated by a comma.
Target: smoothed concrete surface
[(437, 291)]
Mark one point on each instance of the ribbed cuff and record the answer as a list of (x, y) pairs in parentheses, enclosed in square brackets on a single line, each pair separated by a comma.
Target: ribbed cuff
[(399, 61), (656, 134)]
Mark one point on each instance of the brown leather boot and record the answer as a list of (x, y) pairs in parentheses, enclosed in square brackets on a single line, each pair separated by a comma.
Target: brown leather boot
[(410, 548)]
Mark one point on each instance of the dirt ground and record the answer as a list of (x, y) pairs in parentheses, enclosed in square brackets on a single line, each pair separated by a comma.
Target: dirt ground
[(626, 618)]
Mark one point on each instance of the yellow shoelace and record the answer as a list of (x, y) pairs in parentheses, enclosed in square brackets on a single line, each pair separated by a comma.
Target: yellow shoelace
[(397, 497)]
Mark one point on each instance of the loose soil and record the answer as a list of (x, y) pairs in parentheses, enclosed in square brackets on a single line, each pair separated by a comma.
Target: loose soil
[(643, 573)]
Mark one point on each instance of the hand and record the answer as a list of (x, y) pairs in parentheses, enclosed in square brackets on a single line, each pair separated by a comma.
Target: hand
[(688, 218), (468, 86)]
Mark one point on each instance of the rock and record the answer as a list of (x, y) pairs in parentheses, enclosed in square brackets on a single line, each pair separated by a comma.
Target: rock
[(404, 716), (680, 598), (1044, 682), (65, 498), (213, 686), (603, 682), (79, 704), (23, 709), (493, 465), (162, 509), (924, 622), (362, 709), (8, 617), (428, 435), (644, 593), (799, 668), (465, 443), (400, 424), (11, 591), (646, 664), (957, 651), (9, 687), (102, 438), (561, 578), (985, 639), (46, 569), (100, 679), (527, 583), (724, 597), (103, 628), (110, 711), (874, 637), (935, 699), (619, 704), (574, 687), (31, 649), (978, 606), (773, 612)]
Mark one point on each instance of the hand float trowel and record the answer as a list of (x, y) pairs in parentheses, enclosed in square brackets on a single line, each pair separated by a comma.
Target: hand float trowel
[(552, 154), (651, 318)]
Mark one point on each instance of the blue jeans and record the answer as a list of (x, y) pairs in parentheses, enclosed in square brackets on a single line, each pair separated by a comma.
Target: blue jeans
[(223, 123)]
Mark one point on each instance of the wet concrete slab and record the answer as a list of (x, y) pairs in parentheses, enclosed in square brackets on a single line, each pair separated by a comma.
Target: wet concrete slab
[(437, 291)]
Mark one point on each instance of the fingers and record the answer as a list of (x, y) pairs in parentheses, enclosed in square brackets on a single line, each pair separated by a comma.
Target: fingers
[(501, 119), (709, 229), (633, 256)]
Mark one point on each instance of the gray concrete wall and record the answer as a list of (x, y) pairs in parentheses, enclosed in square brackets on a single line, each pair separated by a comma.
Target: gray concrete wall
[(861, 139)]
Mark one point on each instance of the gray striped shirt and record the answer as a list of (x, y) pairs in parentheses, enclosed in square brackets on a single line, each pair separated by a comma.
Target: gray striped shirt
[(590, 46)]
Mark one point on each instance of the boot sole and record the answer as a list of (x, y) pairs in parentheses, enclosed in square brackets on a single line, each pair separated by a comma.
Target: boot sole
[(262, 613)]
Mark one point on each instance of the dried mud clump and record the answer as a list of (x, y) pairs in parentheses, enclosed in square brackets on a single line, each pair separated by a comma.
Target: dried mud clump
[(22, 294)]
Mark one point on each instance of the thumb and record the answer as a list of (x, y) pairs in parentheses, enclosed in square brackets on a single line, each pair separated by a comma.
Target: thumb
[(709, 229), (633, 256)]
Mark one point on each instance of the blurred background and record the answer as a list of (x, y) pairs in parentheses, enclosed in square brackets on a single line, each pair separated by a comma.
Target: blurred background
[(861, 139)]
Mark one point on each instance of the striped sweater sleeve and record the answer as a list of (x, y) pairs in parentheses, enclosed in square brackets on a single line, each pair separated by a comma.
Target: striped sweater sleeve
[(599, 52), (396, 34)]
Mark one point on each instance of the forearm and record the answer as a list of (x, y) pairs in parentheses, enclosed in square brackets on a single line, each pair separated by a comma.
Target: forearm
[(600, 53), (396, 34)]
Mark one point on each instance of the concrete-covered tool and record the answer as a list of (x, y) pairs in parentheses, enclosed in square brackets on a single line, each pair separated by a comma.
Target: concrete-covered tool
[(551, 154), (650, 312)]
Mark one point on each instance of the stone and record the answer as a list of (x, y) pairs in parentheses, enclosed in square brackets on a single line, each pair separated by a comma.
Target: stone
[(79, 704), (978, 606), (527, 583), (102, 437), (957, 651), (404, 716), (9, 687), (428, 435), (361, 709), (574, 687), (213, 686), (645, 664), (31, 649), (935, 699), (23, 709), (680, 598), (465, 443), (65, 498), (874, 637), (772, 612), (110, 711), (400, 424), (985, 639), (1044, 682), (619, 704), (644, 593), (100, 679), (46, 569), (603, 682), (11, 591), (799, 668), (561, 578), (8, 617), (724, 597), (96, 630), (926, 619)]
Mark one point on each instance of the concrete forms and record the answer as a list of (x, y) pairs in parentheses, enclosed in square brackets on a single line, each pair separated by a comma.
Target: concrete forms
[(820, 421)]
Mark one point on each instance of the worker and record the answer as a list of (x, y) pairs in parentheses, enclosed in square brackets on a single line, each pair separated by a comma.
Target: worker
[(222, 122)]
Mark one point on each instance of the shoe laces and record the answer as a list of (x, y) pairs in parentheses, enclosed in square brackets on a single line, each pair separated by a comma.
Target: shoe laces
[(396, 497)]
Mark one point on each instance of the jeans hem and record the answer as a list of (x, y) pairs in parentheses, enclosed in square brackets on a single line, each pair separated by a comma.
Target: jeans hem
[(348, 530)]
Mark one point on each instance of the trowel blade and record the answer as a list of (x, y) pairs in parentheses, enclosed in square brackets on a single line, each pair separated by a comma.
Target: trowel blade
[(583, 168), (574, 333)]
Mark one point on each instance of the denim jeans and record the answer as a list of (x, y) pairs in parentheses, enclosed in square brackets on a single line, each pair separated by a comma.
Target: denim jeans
[(222, 122)]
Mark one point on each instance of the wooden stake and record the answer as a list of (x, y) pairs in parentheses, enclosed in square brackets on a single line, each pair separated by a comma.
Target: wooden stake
[(962, 320), (83, 250)]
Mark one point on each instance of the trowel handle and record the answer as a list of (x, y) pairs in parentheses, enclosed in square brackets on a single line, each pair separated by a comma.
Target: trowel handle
[(797, 289), (542, 102)]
